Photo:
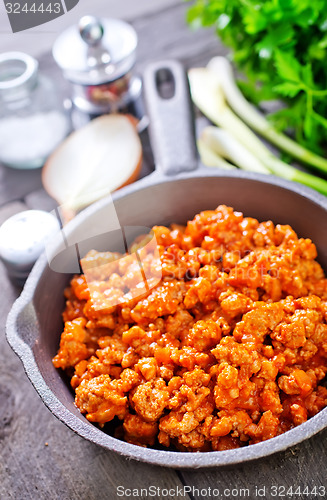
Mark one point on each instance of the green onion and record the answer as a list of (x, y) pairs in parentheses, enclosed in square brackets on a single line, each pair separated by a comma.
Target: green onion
[(210, 158), (223, 70), (207, 95), (221, 142)]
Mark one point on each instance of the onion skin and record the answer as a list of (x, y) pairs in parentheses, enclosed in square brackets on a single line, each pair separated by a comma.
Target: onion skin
[(71, 198)]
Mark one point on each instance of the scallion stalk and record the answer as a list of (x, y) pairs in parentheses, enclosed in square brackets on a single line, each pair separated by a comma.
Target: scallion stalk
[(210, 158), (224, 71), (221, 142), (207, 95)]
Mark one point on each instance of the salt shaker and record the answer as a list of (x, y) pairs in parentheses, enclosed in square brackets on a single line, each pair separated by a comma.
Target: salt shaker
[(22, 240), (97, 57), (32, 119)]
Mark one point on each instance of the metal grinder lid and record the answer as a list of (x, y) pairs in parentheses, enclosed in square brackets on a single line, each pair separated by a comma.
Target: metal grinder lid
[(96, 51)]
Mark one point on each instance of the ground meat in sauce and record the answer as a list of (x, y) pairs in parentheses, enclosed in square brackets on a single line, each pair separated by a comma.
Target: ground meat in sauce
[(229, 349)]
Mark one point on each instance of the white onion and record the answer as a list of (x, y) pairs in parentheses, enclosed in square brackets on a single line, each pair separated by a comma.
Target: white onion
[(93, 161)]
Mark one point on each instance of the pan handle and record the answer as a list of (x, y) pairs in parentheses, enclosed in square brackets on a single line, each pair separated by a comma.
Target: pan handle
[(169, 107)]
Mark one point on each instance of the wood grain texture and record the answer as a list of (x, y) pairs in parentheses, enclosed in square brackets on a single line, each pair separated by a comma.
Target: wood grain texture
[(162, 34), (40, 458), (300, 466), (11, 209), (40, 200), (40, 39), (16, 184), (165, 35), (70, 467)]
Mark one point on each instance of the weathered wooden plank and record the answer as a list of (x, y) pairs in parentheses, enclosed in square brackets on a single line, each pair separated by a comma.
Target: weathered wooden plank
[(15, 184), (11, 209), (69, 467), (40, 200), (40, 39), (165, 35), (162, 34), (299, 467)]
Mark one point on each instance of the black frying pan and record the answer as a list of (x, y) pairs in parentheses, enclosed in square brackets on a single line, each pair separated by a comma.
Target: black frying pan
[(175, 192)]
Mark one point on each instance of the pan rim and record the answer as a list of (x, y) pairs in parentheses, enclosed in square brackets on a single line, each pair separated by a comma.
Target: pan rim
[(178, 460)]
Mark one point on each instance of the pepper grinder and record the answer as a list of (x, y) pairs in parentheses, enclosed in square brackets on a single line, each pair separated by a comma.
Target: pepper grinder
[(97, 58)]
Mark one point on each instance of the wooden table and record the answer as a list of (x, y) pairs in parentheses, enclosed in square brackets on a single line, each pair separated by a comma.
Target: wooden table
[(42, 459)]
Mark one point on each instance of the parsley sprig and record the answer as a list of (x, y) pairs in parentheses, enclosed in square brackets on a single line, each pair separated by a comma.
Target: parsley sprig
[(281, 46)]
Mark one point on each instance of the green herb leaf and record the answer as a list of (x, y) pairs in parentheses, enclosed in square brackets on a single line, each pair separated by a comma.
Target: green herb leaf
[(288, 89), (281, 47), (308, 75), (308, 124), (287, 66)]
